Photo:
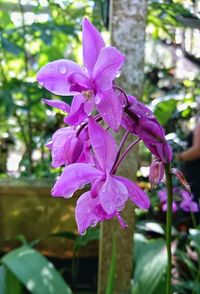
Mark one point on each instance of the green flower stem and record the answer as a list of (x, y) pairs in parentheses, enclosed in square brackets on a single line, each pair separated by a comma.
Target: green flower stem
[(194, 223), (169, 225)]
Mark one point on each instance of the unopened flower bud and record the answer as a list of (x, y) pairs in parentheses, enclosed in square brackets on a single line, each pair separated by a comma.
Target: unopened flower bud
[(181, 178), (156, 173)]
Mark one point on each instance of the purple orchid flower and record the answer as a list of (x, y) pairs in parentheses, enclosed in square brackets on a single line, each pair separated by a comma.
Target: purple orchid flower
[(183, 202), (162, 194), (108, 191), (187, 204), (91, 85)]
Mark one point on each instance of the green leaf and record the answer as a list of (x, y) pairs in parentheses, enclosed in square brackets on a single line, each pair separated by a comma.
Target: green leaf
[(9, 284), (10, 46), (188, 262), (164, 110), (13, 285), (150, 265), (36, 273), (2, 280)]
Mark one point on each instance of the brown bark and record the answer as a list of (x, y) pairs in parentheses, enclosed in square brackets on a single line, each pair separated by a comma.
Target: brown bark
[(128, 35)]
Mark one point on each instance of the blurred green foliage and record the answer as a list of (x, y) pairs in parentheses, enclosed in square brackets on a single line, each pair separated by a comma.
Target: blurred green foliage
[(31, 35)]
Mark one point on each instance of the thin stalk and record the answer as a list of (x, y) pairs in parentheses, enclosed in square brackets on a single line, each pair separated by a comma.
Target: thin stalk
[(114, 169), (169, 186), (194, 223), (120, 147)]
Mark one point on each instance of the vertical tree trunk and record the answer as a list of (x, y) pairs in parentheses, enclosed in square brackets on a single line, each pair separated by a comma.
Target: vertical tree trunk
[(127, 21)]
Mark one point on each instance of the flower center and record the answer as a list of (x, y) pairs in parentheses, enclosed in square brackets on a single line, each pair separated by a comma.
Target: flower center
[(88, 94)]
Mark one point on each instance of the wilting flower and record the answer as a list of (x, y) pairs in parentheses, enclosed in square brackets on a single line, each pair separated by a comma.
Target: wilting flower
[(140, 121), (109, 193), (92, 85)]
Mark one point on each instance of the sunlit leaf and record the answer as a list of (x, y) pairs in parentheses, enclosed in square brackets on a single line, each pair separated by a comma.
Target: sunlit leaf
[(35, 271)]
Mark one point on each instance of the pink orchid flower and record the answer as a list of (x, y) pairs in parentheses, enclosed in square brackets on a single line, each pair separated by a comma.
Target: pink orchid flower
[(92, 85), (109, 193)]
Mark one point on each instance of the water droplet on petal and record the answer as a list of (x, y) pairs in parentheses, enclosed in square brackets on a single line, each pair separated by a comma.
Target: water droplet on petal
[(119, 208), (68, 196), (93, 223), (52, 69), (97, 100), (62, 68), (123, 190), (109, 207), (83, 233), (103, 190), (87, 210), (119, 204)]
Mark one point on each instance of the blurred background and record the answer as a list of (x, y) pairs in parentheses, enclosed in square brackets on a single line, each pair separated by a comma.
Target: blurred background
[(33, 33)]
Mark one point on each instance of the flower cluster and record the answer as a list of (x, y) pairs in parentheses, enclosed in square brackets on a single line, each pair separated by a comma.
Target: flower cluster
[(86, 147), (182, 200)]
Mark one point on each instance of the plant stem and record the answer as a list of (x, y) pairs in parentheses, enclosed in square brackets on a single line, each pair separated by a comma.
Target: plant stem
[(193, 220), (120, 147), (169, 186), (115, 167)]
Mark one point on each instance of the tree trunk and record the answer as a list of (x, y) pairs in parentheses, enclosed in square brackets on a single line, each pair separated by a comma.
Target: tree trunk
[(127, 21)]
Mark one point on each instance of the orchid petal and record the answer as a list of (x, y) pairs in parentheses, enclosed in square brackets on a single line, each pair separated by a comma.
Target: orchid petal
[(77, 112), (139, 109), (92, 44), (174, 207), (164, 152), (110, 108), (103, 145), (58, 104), (106, 68), (74, 177), (66, 147), (80, 79), (135, 193), (189, 206), (54, 76), (85, 212), (113, 195), (150, 131), (58, 146)]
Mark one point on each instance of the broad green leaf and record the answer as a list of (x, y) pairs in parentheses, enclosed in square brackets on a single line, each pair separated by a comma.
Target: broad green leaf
[(189, 286), (150, 265), (9, 284), (13, 284), (164, 110), (36, 273), (2, 280)]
